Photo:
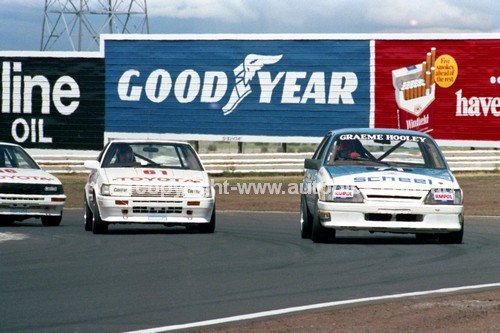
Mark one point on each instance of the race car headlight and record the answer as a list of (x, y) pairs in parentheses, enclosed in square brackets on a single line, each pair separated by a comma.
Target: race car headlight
[(342, 193), (105, 189), (198, 192), (444, 196)]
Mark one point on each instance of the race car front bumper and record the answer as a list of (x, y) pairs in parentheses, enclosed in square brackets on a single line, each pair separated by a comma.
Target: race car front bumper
[(25, 205), (391, 217), (155, 210)]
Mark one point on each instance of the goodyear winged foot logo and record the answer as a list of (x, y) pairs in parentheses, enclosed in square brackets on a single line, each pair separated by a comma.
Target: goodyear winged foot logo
[(244, 73), (184, 86)]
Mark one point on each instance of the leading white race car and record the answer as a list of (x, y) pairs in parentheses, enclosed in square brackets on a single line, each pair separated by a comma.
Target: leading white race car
[(149, 182), (380, 180), (26, 190)]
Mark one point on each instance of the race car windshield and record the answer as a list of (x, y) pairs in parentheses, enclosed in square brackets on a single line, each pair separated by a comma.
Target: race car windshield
[(15, 157), (160, 155), (389, 150)]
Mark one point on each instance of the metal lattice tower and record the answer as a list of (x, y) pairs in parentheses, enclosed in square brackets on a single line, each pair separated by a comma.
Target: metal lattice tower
[(80, 22)]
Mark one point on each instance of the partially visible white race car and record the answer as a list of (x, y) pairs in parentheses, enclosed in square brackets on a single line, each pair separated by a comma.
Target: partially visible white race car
[(380, 180), (26, 190), (148, 182)]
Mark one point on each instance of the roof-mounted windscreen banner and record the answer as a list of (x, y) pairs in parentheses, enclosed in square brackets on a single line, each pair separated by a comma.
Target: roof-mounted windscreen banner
[(447, 88), (52, 102), (242, 90)]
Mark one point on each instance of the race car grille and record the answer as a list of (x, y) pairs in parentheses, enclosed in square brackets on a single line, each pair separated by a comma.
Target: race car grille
[(393, 197), (20, 206), (158, 191), (15, 188), (394, 217), (12, 199), (156, 210)]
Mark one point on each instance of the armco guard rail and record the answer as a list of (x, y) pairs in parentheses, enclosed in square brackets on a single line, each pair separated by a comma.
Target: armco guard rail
[(459, 160)]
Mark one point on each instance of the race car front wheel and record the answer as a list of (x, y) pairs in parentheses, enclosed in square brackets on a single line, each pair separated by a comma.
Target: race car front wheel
[(98, 225), (452, 237), (319, 233), (306, 225), (51, 221), (87, 215), (208, 228), (455, 237)]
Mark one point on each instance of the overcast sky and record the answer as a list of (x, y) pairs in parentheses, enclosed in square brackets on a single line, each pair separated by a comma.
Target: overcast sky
[(21, 21)]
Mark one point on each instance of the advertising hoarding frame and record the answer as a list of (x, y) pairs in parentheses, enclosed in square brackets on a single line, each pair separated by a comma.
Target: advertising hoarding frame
[(372, 38)]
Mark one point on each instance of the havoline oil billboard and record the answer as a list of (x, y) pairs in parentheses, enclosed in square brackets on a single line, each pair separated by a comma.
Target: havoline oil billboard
[(54, 102)]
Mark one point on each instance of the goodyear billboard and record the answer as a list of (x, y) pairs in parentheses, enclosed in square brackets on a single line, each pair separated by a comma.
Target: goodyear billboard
[(244, 90)]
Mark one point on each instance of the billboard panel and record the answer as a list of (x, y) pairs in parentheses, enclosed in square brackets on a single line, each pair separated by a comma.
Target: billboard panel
[(258, 90), (52, 102), (449, 88)]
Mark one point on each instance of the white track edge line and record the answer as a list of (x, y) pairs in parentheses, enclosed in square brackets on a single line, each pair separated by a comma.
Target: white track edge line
[(310, 307)]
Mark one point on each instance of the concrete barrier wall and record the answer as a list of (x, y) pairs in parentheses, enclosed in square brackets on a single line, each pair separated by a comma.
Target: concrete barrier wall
[(459, 160)]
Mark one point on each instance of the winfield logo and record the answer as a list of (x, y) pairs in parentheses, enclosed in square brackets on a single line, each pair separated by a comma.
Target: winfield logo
[(211, 87)]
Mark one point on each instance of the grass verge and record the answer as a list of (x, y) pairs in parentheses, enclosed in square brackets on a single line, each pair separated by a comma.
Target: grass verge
[(481, 192)]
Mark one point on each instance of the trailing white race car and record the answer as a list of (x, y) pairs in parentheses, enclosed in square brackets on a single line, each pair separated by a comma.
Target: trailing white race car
[(149, 182), (380, 180), (26, 190)]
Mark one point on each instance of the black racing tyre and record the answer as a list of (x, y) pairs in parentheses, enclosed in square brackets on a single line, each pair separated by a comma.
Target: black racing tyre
[(422, 237), (452, 237), (208, 228), (319, 233), (98, 225), (87, 215), (306, 225), (6, 221), (51, 221), (455, 237)]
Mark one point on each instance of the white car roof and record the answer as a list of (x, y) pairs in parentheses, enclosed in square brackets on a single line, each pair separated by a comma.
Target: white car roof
[(10, 144), (147, 140)]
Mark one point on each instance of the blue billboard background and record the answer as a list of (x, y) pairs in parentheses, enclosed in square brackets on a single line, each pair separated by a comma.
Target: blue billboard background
[(290, 88)]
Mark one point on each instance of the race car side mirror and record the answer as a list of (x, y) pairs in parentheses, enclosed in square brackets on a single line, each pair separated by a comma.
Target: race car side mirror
[(91, 164), (311, 163)]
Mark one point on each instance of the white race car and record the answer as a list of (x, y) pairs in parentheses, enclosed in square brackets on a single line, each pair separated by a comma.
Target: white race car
[(26, 190), (149, 182), (380, 180)]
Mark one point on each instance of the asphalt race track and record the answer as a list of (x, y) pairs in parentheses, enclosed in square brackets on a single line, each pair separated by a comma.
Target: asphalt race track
[(63, 279)]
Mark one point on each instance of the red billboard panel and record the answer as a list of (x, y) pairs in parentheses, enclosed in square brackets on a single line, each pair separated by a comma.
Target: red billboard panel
[(447, 88)]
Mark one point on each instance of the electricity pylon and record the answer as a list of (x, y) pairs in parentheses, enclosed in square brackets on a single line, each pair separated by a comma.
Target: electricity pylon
[(81, 22)]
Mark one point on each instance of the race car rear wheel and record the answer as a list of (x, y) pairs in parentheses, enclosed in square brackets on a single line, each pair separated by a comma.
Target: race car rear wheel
[(51, 221), (319, 233), (306, 225)]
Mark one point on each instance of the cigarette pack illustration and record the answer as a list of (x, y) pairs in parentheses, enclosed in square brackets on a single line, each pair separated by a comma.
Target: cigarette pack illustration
[(415, 91)]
